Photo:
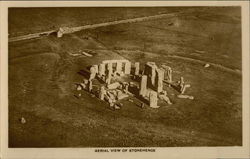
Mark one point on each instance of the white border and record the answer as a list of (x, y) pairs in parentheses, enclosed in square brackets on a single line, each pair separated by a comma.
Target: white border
[(178, 152)]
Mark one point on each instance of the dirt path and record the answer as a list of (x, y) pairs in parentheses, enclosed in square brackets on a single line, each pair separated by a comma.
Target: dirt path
[(93, 26), (224, 68)]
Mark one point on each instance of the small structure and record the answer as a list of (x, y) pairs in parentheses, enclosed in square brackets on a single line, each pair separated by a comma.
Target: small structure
[(23, 120), (60, 32), (63, 30)]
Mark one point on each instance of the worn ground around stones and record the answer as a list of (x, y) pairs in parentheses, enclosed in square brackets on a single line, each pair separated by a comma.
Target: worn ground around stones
[(42, 74)]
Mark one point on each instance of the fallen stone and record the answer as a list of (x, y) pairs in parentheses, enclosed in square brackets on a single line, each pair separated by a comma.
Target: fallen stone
[(184, 87), (155, 107), (165, 98), (131, 84), (86, 54), (120, 74), (78, 87), (130, 100), (120, 104), (74, 54), (83, 85), (111, 104), (185, 96), (121, 95), (102, 93), (114, 85), (111, 97), (142, 105), (117, 107)]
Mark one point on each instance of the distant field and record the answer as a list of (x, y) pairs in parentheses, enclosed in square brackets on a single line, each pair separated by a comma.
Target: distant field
[(24, 21), (42, 74), (31, 20)]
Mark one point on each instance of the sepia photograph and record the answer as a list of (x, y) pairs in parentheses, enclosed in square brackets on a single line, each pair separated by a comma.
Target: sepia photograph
[(145, 77), (125, 76)]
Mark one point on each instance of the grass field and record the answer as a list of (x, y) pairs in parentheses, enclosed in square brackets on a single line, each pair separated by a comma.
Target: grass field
[(42, 74)]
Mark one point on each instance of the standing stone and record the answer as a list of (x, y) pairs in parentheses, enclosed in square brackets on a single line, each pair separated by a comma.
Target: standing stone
[(92, 69), (119, 67), (181, 82), (92, 73), (127, 68), (182, 85), (160, 77), (153, 99), (101, 69), (108, 77), (126, 88), (170, 75), (153, 75), (143, 86), (108, 80), (90, 85), (137, 68), (96, 68), (102, 93), (110, 67), (149, 70)]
